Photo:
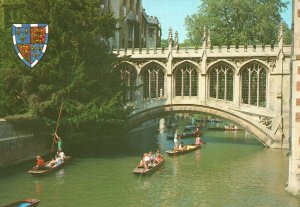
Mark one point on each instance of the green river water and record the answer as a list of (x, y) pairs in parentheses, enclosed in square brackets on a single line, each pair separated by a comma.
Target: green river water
[(232, 169)]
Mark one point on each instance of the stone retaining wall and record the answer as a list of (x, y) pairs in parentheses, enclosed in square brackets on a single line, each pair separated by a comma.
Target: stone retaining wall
[(16, 147)]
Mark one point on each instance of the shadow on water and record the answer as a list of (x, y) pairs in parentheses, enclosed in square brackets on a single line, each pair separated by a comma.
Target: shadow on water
[(230, 137), (16, 169), (132, 143)]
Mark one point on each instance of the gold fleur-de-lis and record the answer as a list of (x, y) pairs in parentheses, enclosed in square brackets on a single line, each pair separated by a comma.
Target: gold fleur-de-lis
[(22, 38), (18, 31), (26, 31)]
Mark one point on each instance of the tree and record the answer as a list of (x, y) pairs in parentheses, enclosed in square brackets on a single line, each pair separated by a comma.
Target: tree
[(76, 68), (236, 22), (164, 43)]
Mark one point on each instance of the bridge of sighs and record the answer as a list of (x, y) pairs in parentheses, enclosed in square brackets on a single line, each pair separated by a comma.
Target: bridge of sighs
[(247, 85)]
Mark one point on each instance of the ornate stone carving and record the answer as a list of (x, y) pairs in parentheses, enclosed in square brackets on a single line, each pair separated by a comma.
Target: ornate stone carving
[(272, 63), (266, 121)]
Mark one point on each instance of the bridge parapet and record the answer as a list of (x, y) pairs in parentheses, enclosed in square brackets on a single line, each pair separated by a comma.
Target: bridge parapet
[(216, 51)]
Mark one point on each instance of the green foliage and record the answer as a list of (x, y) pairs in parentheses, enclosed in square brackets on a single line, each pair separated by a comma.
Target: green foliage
[(76, 68), (287, 35), (236, 22), (186, 43), (164, 43)]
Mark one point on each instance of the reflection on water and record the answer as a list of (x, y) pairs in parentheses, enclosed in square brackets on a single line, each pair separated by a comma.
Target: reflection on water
[(38, 187), (59, 175), (175, 166), (198, 155)]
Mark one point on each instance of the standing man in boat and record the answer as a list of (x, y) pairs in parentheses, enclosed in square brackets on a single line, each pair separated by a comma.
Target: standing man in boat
[(197, 132), (176, 136), (58, 141)]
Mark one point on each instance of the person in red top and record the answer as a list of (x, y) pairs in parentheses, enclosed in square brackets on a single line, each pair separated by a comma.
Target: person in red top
[(40, 164)]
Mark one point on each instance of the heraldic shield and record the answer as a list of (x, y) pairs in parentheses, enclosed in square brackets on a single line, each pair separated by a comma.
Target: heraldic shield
[(30, 41)]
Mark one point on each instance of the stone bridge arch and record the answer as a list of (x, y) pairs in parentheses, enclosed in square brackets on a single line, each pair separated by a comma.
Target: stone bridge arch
[(152, 62), (253, 61), (193, 63), (262, 134), (224, 62)]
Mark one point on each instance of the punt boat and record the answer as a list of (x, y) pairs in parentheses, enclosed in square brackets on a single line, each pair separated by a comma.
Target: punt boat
[(190, 148), (152, 168), (49, 170), (28, 202)]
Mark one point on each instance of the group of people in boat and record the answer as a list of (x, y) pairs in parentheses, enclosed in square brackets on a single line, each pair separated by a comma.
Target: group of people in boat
[(57, 160), (181, 146), (233, 127), (150, 159)]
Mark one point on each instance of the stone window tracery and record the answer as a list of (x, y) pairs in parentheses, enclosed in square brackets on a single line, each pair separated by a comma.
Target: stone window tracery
[(153, 81), (254, 85), (221, 82), (186, 80), (128, 77)]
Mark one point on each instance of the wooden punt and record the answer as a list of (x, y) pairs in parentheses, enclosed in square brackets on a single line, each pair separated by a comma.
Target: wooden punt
[(49, 170), (190, 148), (28, 202), (223, 129), (151, 169), (190, 135)]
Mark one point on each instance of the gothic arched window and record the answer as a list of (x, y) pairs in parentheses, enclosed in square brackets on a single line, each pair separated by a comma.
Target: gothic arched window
[(128, 78), (254, 85), (186, 80), (221, 82), (153, 81)]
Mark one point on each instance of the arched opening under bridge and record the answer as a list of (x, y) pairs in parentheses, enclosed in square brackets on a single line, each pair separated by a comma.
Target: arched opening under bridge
[(160, 111)]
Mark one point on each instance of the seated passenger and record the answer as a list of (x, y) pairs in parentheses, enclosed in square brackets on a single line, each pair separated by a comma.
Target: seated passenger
[(51, 163), (152, 157), (182, 146), (40, 165), (58, 161), (146, 160), (158, 157), (60, 154), (198, 140)]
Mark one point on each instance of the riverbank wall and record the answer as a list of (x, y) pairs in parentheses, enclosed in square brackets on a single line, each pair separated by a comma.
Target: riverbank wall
[(17, 146)]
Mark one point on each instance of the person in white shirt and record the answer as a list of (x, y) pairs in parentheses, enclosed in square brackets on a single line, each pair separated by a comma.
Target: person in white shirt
[(176, 137), (60, 154)]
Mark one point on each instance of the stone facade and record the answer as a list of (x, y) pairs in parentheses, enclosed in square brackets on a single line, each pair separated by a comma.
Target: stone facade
[(188, 79), (136, 28), (294, 160)]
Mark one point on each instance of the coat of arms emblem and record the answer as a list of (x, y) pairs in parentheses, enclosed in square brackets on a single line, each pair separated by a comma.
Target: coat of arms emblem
[(30, 42)]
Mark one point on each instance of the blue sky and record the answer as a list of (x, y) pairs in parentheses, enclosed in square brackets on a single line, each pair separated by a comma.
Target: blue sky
[(171, 13)]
